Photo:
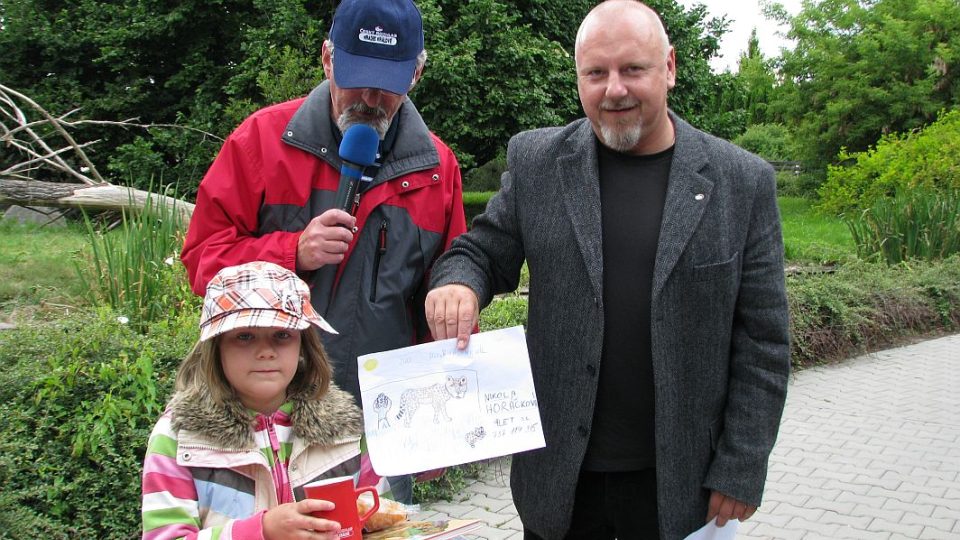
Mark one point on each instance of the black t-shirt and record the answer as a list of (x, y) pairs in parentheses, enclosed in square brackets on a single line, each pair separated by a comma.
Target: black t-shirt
[(632, 194)]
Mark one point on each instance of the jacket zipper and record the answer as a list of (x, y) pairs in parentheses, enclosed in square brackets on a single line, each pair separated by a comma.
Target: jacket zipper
[(284, 493), (381, 249)]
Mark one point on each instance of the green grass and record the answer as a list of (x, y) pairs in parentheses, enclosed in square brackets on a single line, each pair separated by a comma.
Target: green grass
[(37, 264), (811, 237), (477, 197), (37, 268)]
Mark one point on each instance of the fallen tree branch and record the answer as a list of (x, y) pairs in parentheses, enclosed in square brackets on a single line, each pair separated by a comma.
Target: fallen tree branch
[(20, 134), (58, 127), (98, 197)]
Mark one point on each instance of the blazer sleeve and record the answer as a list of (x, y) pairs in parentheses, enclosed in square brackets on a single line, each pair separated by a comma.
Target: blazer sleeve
[(488, 257), (760, 355)]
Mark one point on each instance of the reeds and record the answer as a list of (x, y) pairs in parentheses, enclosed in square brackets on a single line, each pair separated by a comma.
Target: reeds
[(135, 267), (915, 224)]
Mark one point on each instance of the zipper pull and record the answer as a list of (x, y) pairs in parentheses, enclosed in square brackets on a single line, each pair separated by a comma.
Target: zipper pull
[(383, 237), (356, 204)]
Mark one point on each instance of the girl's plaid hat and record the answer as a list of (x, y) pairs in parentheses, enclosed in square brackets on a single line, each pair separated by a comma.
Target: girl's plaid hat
[(259, 294)]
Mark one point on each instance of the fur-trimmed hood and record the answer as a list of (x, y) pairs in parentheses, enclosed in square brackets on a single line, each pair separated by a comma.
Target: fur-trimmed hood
[(230, 425)]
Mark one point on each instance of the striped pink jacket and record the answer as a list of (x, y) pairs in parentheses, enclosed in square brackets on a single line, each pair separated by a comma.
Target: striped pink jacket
[(211, 471)]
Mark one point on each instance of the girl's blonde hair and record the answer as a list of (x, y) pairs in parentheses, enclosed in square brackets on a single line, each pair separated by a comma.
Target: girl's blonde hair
[(201, 370)]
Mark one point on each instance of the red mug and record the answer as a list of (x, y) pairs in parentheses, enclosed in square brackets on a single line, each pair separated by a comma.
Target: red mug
[(342, 493)]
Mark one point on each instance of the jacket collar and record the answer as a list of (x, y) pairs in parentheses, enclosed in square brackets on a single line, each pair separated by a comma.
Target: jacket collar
[(230, 425), (311, 130), (688, 193)]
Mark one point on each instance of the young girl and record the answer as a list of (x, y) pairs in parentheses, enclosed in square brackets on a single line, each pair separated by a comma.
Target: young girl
[(254, 418)]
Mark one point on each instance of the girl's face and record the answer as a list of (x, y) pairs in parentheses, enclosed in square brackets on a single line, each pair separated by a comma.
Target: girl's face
[(259, 364)]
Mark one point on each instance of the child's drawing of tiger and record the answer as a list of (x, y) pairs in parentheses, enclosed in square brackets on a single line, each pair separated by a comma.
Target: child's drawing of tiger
[(436, 395)]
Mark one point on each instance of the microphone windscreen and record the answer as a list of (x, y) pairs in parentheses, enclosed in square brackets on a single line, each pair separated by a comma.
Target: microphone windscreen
[(359, 145)]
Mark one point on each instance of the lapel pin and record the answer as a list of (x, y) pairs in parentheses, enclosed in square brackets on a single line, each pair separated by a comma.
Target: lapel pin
[(698, 196)]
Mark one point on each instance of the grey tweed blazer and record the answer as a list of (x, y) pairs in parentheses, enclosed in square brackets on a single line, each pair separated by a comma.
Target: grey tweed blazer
[(718, 314)]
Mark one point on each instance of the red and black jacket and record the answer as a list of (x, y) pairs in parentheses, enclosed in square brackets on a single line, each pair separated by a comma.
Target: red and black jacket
[(280, 169)]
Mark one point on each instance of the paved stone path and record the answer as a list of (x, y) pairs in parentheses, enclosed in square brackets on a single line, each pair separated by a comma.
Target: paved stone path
[(868, 449)]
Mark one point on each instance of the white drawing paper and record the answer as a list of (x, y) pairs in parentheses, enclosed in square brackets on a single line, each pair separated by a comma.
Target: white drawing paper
[(711, 531), (430, 406)]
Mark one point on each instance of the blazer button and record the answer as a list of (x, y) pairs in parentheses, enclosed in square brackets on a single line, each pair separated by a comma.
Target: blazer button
[(590, 369), (583, 431)]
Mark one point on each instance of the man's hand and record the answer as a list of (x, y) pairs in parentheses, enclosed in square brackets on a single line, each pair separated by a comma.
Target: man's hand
[(452, 311), (295, 520), (325, 240), (725, 508)]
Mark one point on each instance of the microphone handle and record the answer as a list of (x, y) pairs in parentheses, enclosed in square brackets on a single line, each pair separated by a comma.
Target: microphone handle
[(347, 194)]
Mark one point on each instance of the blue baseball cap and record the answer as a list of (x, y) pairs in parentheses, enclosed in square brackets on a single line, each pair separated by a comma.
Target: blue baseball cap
[(376, 44)]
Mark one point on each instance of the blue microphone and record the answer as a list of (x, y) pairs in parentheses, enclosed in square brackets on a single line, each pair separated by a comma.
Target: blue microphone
[(358, 150)]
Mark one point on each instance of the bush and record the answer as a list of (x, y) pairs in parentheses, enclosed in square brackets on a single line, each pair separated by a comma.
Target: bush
[(73, 426), (797, 184), (485, 177), (772, 142), (864, 306), (504, 312), (447, 486), (918, 224), (927, 158), (474, 203)]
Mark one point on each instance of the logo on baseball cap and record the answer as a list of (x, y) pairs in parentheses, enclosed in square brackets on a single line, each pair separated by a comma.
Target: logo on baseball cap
[(376, 44)]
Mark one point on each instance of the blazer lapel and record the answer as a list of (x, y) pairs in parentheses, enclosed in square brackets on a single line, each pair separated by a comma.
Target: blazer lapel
[(688, 193), (580, 184)]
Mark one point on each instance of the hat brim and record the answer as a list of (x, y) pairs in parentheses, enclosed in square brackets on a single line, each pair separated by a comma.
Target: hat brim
[(353, 71), (262, 318)]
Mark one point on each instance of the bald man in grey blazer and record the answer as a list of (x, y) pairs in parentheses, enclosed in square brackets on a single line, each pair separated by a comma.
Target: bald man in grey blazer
[(658, 321)]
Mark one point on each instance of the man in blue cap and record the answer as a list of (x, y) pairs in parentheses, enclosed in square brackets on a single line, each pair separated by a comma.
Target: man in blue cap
[(271, 192)]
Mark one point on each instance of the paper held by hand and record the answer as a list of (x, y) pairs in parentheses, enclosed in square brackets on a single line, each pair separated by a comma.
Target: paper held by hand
[(431, 405), (710, 531)]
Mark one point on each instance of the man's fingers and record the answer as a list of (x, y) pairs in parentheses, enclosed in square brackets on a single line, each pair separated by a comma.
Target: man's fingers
[(467, 315), (721, 507), (726, 511), (739, 509), (337, 218), (714, 506), (724, 508), (452, 311), (325, 240)]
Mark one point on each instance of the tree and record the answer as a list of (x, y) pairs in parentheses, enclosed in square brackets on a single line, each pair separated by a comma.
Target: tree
[(489, 76), (699, 94), (758, 81), (155, 60), (495, 67), (862, 69)]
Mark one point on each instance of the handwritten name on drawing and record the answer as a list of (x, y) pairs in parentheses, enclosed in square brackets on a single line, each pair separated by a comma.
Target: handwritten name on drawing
[(506, 401)]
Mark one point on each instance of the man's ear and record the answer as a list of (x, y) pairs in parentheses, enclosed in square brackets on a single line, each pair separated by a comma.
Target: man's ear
[(327, 59), (671, 68), (416, 78)]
